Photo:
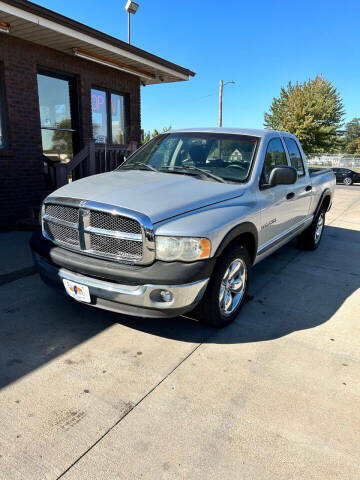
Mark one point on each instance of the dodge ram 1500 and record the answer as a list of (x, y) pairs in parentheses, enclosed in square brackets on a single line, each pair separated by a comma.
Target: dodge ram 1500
[(179, 225)]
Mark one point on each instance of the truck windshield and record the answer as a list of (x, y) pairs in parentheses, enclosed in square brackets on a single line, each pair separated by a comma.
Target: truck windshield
[(211, 156)]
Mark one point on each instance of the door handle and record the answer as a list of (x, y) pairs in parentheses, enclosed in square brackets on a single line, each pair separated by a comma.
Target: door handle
[(308, 188), (289, 196)]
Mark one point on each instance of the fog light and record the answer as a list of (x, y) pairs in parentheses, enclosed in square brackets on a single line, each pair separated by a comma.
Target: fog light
[(166, 295)]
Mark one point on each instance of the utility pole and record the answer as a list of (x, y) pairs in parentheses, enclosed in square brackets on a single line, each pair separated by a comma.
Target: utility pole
[(220, 102), (221, 88)]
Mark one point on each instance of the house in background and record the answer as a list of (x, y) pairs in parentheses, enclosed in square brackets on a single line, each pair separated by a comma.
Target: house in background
[(69, 102)]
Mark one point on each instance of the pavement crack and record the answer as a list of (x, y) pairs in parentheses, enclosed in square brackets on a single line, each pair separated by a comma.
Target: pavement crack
[(205, 339), (134, 406)]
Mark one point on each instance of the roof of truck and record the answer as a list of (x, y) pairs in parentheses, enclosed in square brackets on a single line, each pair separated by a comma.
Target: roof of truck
[(253, 132)]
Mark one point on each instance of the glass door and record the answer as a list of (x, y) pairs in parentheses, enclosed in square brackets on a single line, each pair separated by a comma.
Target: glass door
[(109, 117), (56, 117)]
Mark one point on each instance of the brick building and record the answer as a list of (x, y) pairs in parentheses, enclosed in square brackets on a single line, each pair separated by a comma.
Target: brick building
[(69, 102)]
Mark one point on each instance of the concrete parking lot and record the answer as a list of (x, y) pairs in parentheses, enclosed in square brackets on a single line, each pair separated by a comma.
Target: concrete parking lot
[(88, 394)]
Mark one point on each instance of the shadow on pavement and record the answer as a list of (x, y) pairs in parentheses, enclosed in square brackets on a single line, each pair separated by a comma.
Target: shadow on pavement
[(326, 280), (298, 290)]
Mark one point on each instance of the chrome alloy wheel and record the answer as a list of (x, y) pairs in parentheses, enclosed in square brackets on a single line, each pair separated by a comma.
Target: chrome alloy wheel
[(319, 228), (232, 286), (347, 181)]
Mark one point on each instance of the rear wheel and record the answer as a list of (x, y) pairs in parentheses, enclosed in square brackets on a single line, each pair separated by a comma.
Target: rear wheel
[(227, 289), (348, 181), (311, 237)]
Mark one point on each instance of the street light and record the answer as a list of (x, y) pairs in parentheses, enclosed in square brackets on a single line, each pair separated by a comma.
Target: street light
[(131, 7), (222, 85)]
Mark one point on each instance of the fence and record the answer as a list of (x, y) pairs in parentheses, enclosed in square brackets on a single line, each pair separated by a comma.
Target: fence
[(93, 158), (334, 160)]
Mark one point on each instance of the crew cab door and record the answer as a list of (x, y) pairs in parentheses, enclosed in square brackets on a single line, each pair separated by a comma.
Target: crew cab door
[(276, 216), (301, 191)]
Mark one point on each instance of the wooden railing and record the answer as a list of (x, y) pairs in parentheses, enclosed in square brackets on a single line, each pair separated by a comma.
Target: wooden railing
[(92, 159)]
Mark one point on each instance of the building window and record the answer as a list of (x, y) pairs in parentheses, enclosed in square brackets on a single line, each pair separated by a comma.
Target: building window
[(99, 115), (2, 115), (109, 117), (57, 130), (117, 118)]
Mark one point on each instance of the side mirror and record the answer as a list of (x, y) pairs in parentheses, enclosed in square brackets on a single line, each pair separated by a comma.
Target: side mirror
[(283, 176)]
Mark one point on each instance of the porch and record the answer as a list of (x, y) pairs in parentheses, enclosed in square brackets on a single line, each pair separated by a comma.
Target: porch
[(94, 158)]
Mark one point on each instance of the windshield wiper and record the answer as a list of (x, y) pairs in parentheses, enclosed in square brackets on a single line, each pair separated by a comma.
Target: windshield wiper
[(205, 173), (140, 164)]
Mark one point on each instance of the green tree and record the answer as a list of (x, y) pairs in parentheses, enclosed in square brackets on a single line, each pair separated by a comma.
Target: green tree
[(351, 136), (312, 111), (149, 135)]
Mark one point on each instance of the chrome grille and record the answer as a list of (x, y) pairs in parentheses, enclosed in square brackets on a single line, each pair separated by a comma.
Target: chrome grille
[(62, 234), (61, 212), (99, 230), (116, 246), (114, 222)]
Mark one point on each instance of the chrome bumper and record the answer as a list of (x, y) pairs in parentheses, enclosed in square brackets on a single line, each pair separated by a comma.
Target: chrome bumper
[(140, 300)]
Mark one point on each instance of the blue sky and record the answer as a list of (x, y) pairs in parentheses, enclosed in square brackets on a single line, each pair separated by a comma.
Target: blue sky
[(260, 45)]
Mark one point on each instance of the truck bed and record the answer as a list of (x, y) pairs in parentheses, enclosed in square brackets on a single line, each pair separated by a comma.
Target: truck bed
[(313, 172)]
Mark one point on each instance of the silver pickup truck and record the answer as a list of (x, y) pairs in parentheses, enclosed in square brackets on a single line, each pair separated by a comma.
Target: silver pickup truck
[(179, 225)]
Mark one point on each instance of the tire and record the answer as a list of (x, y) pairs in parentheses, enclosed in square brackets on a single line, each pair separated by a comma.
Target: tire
[(311, 237), (348, 181), (211, 310)]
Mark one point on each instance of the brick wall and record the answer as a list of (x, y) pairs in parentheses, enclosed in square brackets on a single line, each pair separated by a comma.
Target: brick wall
[(21, 168)]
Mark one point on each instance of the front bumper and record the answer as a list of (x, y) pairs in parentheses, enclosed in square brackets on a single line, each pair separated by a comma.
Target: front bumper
[(140, 300)]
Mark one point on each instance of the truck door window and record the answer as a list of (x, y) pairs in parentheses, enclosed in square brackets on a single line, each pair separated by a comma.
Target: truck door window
[(295, 156), (275, 157)]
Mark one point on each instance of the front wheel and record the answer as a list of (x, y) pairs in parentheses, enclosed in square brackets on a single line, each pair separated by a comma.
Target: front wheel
[(311, 237), (348, 181), (227, 289)]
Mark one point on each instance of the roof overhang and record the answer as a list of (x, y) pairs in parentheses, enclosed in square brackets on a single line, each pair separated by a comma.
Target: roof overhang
[(36, 24)]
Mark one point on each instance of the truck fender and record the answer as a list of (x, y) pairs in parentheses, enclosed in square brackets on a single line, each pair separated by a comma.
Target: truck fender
[(246, 228), (326, 193)]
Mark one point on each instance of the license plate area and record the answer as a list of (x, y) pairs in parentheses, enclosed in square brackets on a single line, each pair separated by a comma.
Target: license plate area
[(77, 291)]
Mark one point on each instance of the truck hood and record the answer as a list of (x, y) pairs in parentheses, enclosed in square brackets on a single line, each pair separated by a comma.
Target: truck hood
[(157, 195)]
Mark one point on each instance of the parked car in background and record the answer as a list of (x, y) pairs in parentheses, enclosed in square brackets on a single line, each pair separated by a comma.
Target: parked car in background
[(346, 176), (179, 225)]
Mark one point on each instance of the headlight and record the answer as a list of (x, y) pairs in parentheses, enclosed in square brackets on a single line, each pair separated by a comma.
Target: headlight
[(183, 249)]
